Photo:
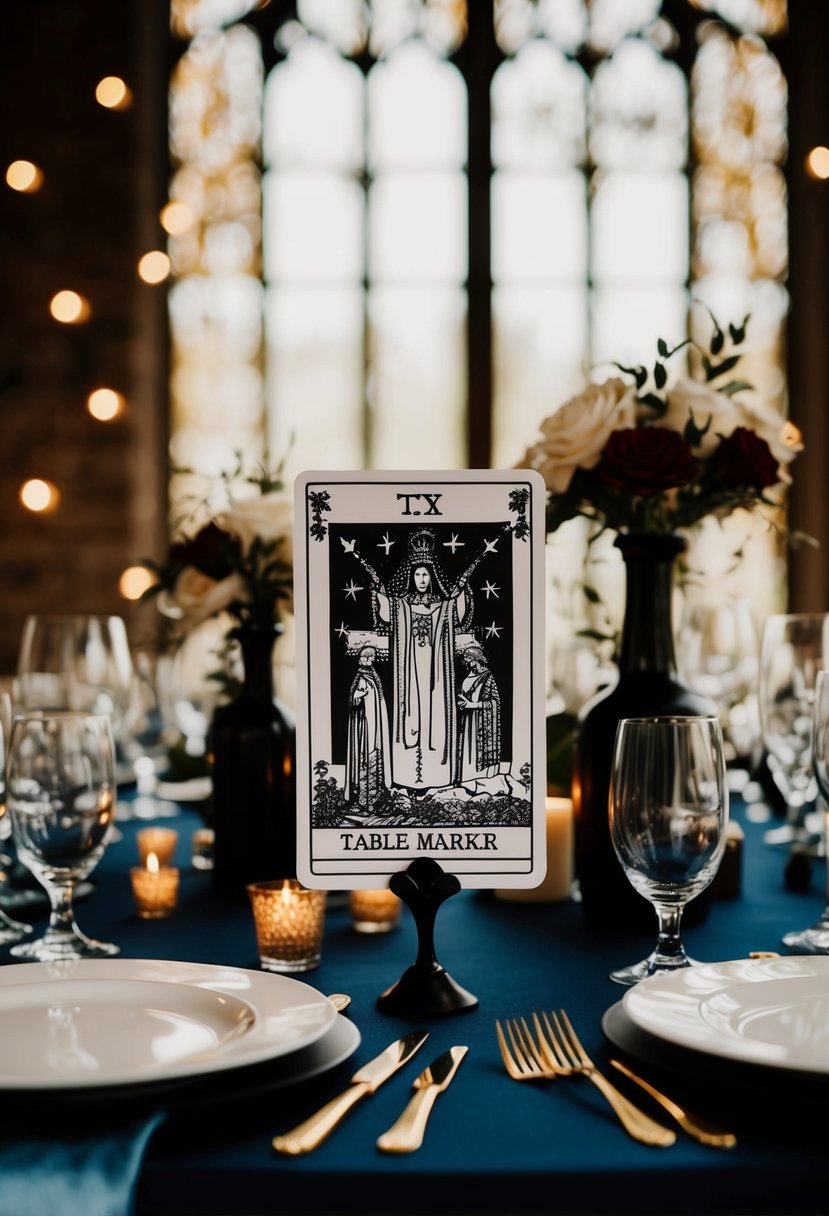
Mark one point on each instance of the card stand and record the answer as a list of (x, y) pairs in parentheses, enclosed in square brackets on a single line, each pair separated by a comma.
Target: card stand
[(425, 989)]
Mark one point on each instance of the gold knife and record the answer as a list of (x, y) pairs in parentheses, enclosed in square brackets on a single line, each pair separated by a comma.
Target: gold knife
[(308, 1135), (406, 1134)]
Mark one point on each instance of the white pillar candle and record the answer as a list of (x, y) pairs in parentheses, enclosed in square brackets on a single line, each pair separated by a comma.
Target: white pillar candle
[(558, 881)]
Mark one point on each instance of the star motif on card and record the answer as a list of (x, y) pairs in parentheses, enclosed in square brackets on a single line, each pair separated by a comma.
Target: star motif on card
[(352, 590), (454, 544), (493, 630), (385, 543), (343, 630), (490, 546), (490, 589)]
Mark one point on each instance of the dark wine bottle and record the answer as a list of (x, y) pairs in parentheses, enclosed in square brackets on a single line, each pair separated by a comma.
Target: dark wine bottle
[(648, 685)]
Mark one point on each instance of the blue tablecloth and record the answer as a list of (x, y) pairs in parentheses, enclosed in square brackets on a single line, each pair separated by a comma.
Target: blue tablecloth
[(492, 1146)]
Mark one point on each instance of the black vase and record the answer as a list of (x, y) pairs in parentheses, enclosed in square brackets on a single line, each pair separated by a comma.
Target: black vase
[(648, 685), (253, 757)]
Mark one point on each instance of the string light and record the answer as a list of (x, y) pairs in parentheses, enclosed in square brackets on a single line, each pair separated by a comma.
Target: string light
[(69, 307), (38, 495), (134, 581), (817, 163), (112, 93), (154, 267), (104, 404), (176, 218), (24, 176)]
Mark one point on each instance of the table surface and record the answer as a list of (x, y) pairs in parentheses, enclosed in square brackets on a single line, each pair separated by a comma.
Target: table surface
[(492, 1145)]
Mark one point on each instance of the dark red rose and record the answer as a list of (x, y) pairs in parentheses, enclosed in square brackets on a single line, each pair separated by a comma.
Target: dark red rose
[(211, 551), (744, 459), (643, 461)]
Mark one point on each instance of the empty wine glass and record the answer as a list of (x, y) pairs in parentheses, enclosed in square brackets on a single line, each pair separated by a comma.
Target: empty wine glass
[(717, 648), (794, 648), (668, 814), (10, 930), (815, 939), (61, 799)]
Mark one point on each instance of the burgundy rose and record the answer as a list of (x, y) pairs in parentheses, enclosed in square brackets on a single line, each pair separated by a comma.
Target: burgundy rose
[(643, 461), (744, 459), (209, 551)]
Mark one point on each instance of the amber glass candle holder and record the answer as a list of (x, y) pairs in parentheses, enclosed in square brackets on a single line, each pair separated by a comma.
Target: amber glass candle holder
[(374, 911), (154, 888), (289, 921), (161, 841)]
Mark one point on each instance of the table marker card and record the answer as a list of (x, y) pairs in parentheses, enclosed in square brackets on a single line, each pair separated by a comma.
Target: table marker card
[(419, 600)]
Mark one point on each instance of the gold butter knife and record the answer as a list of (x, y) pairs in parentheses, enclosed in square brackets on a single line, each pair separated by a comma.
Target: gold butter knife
[(406, 1134), (311, 1133), (706, 1133)]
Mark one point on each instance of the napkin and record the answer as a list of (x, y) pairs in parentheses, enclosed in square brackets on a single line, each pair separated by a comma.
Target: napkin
[(95, 1173)]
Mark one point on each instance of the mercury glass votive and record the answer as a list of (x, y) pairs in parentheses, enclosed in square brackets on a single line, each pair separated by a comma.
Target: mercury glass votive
[(201, 848), (161, 841), (289, 921), (374, 911), (154, 888)]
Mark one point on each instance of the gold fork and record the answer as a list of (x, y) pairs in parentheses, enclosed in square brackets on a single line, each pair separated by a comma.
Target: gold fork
[(563, 1050), (705, 1132), (525, 1061)]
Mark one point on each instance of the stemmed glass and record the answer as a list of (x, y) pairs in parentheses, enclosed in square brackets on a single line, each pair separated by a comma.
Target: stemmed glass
[(668, 811), (61, 799), (717, 646), (794, 648), (10, 930), (815, 939)]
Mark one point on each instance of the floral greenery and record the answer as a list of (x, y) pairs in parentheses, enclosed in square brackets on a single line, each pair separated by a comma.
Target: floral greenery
[(239, 562), (646, 457)]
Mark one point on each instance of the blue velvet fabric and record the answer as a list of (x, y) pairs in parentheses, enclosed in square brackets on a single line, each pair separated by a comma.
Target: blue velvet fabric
[(492, 1146)]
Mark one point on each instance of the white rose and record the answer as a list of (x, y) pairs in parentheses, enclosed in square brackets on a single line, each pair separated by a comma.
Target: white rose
[(695, 399), (575, 435), (196, 597), (268, 516)]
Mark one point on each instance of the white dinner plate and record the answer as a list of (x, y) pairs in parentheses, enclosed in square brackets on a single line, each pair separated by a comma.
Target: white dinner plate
[(108, 1022), (772, 1011)]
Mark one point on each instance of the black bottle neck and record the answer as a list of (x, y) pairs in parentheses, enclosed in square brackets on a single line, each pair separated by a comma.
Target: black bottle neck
[(257, 650), (647, 643)]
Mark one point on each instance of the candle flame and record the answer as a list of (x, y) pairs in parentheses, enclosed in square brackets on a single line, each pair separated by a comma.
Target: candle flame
[(152, 863)]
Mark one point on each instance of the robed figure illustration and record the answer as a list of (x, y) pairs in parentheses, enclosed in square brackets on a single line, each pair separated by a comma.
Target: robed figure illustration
[(480, 718), (423, 615), (368, 758)]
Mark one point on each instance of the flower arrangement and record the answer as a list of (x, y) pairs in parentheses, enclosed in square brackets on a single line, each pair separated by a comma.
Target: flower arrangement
[(239, 562), (651, 458)]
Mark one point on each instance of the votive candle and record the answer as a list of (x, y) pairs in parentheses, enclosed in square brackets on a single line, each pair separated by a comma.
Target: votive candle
[(557, 884), (161, 841), (154, 888), (289, 921), (374, 911)]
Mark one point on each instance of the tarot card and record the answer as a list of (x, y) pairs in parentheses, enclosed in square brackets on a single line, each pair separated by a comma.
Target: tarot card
[(419, 600)]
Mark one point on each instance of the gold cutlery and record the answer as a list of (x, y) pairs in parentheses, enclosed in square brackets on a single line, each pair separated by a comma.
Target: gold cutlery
[(541, 1058), (406, 1134), (705, 1132), (340, 1001), (311, 1133)]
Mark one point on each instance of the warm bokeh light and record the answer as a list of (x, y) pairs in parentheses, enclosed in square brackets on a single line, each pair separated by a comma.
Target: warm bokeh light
[(176, 218), (817, 163), (134, 581), (154, 267), (24, 176), (113, 93), (104, 404), (39, 495), (69, 308)]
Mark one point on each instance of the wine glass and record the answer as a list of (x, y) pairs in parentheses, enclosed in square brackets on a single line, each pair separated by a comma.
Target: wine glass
[(815, 939), (794, 648), (61, 801), (717, 647), (10, 930), (668, 811)]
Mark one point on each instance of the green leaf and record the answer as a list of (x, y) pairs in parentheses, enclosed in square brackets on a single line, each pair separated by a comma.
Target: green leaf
[(694, 434), (660, 376), (591, 594), (640, 374), (735, 386), (655, 403), (662, 348), (738, 332), (595, 635), (717, 341), (719, 369)]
